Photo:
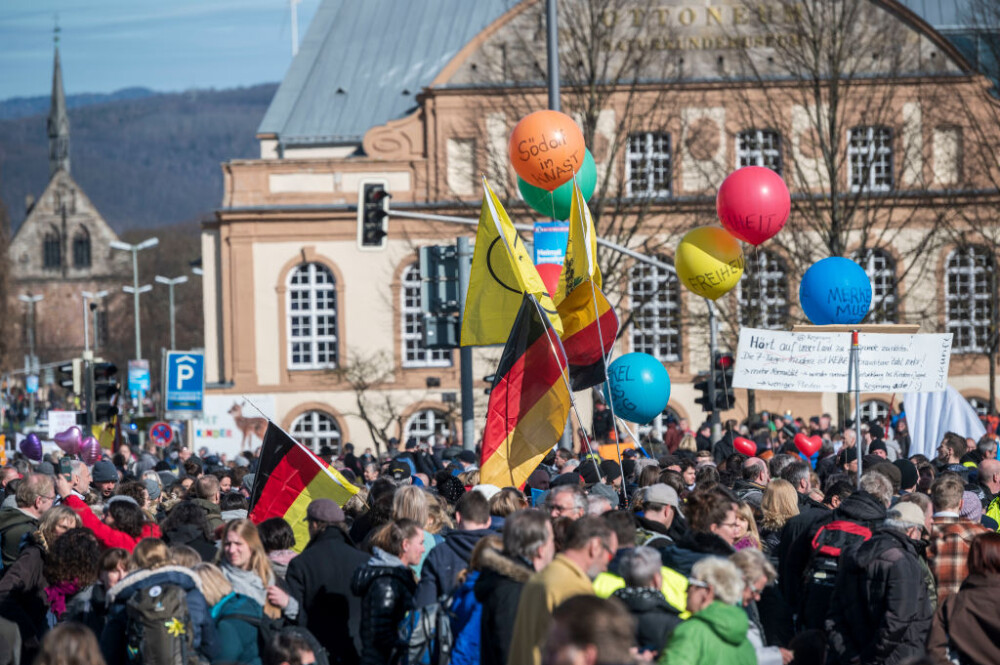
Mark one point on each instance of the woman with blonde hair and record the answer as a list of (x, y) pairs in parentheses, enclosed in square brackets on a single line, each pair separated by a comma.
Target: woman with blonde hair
[(245, 564), (688, 444), (237, 637), (749, 536), (779, 504), (414, 504)]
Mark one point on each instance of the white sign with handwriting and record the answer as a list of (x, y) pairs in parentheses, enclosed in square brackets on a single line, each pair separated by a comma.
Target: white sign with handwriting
[(818, 362)]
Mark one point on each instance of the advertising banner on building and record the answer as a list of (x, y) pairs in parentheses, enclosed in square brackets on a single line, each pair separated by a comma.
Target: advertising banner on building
[(230, 425)]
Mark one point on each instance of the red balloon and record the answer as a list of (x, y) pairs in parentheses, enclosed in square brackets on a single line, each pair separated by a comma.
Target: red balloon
[(806, 445), (549, 273), (744, 446), (753, 204)]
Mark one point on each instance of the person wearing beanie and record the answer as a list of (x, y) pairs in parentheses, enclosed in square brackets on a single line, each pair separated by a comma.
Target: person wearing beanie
[(451, 488), (611, 473), (908, 475), (877, 447), (104, 477)]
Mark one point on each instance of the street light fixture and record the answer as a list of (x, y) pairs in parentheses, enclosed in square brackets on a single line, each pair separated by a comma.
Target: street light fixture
[(87, 295), (171, 283), (32, 360), (135, 290)]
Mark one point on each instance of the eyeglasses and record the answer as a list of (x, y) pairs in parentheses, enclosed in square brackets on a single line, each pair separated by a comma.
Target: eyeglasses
[(50, 498)]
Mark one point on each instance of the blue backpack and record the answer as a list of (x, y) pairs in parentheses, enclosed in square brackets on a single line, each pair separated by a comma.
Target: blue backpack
[(425, 634)]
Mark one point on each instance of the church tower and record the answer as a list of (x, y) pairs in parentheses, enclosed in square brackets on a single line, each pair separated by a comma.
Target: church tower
[(58, 122)]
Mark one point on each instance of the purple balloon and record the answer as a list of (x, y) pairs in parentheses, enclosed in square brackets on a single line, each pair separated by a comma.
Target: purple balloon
[(69, 441), (31, 447), (90, 451)]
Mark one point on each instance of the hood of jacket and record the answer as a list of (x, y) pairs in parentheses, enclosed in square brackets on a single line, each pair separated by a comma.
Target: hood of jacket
[(705, 543), (882, 541), (463, 542), (380, 566), (185, 578), (501, 564), (639, 601), (185, 534), (728, 622), (861, 507), (10, 517), (236, 603), (207, 506)]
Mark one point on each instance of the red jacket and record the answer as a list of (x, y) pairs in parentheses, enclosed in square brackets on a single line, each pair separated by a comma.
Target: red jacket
[(108, 536)]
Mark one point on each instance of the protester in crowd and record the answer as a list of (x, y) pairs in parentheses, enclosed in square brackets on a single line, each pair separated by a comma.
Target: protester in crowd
[(879, 611), (206, 496), (233, 616), (413, 503), (465, 609), (70, 644), (713, 531), (717, 630), (104, 480), (778, 505), (566, 501), (951, 535), (442, 565), (245, 564), (124, 523), (753, 482), (187, 524), (654, 617), (112, 566), (70, 572), (386, 585), (278, 539), (289, 649), (528, 547), (657, 507), (35, 495), (747, 535), (590, 545), (328, 608), (585, 629), (758, 575)]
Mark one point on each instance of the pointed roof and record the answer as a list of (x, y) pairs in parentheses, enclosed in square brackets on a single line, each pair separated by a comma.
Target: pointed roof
[(58, 122)]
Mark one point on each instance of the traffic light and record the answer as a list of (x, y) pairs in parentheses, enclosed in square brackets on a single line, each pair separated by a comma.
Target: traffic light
[(724, 364), (439, 296), (70, 376), (703, 384), (106, 388), (373, 215)]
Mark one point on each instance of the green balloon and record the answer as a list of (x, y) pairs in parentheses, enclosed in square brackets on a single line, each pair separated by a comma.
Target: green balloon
[(557, 203)]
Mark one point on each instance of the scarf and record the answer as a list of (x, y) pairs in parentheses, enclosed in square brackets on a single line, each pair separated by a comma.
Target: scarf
[(246, 583), (57, 595)]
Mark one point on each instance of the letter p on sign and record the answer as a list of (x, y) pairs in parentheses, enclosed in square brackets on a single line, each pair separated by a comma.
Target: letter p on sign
[(184, 372)]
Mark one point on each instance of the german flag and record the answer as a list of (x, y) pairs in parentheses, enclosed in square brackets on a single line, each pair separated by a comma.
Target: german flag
[(590, 327), (529, 402), (288, 478)]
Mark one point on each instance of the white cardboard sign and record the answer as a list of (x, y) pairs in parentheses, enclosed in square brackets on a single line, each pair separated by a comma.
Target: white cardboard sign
[(818, 362)]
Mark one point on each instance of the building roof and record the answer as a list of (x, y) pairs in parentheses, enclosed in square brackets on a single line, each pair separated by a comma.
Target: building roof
[(362, 64)]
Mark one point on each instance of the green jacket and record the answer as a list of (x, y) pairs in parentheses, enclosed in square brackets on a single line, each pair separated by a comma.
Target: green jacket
[(212, 513), (13, 525), (716, 635)]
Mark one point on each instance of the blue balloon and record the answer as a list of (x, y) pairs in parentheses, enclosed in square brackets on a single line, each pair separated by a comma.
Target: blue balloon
[(638, 387), (835, 290)]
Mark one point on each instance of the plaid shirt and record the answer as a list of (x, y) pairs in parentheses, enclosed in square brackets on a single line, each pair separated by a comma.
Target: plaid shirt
[(948, 553)]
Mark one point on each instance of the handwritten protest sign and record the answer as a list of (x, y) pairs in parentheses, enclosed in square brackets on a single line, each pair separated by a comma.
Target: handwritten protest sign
[(819, 362)]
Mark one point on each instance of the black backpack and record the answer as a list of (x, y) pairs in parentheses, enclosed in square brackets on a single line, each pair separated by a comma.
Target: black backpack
[(828, 544), (158, 629)]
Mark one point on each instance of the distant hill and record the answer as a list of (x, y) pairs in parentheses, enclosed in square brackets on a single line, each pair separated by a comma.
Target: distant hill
[(23, 107), (144, 161)]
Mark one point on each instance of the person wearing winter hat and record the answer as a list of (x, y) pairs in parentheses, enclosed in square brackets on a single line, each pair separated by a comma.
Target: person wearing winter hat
[(451, 488), (104, 477), (908, 475), (468, 460)]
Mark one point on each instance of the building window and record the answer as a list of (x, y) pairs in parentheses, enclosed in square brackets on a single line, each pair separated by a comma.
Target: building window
[(881, 270), (425, 423), (872, 409), (315, 429), (759, 147), (656, 303), (81, 249), (647, 166), (766, 274), (869, 159), (312, 317), (415, 354), (968, 298), (52, 250)]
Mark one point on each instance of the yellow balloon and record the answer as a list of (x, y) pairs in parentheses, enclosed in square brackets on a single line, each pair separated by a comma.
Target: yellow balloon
[(709, 261)]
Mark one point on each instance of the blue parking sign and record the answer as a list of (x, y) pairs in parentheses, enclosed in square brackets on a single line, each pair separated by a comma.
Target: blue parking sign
[(185, 379)]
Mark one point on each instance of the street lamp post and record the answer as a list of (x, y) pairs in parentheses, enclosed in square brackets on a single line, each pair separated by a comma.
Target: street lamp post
[(135, 290), (87, 295), (171, 283), (32, 360)]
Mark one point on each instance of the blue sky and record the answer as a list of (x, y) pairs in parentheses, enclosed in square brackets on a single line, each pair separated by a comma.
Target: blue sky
[(167, 45)]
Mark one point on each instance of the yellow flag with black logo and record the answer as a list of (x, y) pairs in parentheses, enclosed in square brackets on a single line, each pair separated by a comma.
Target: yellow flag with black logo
[(502, 272), (580, 264)]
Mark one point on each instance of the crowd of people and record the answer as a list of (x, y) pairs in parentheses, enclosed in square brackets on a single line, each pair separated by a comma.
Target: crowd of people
[(695, 555)]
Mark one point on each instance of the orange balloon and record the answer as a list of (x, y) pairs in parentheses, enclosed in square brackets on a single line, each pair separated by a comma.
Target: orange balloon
[(546, 148)]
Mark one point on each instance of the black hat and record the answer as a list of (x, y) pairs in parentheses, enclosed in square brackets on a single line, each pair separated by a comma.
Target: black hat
[(907, 472), (399, 470), (468, 457), (877, 444), (567, 479), (610, 470), (848, 455), (451, 488)]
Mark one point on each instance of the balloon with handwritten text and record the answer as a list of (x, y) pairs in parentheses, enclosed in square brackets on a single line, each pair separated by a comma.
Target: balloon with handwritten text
[(557, 203), (546, 148), (753, 204), (709, 261), (835, 290), (638, 387)]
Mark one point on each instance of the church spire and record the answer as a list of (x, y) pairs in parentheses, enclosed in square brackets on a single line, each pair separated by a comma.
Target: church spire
[(58, 123)]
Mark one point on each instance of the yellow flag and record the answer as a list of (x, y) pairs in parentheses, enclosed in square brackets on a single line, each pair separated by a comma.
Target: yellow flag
[(581, 249), (502, 272)]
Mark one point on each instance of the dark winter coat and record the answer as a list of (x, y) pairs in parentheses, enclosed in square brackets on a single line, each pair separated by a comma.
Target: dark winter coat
[(881, 611), (237, 637), (439, 574), (22, 595), (691, 549), (113, 637), (88, 607), (212, 513), (14, 525), (320, 579), (386, 589), (192, 536), (655, 618), (967, 623), (498, 588)]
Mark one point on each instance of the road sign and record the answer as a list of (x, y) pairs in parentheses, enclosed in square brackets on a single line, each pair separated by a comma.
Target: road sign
[(138, 377), (184, 392), (161, 433), (31, 383)]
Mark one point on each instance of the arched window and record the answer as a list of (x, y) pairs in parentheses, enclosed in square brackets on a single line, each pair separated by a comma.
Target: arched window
[(968, 298), (872, 409), (766, 273), (656, 305), (52, 250), (415, 354), (881, 270), (316, 429), (312, 317), (759, 147), (81, 248), (425, 423)]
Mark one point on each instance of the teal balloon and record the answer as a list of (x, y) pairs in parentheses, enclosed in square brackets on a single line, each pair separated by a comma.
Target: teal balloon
[(638, 387), (558, 203)]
